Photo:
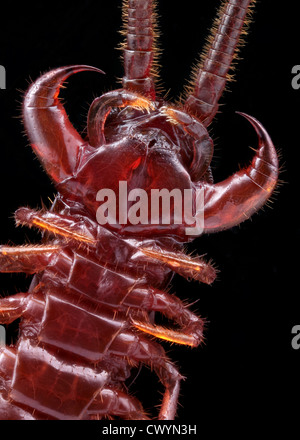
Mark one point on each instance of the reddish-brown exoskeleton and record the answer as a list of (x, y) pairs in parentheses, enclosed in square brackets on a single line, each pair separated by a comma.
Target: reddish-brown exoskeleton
[(85, 320)]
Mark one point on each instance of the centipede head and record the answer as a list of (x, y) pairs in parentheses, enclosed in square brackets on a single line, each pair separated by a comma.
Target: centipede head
[(134, 137)]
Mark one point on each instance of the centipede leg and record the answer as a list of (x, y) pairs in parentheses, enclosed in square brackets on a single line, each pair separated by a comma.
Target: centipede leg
[(12, 307), (191, 326), (113, 402), (172, 382), (26, 259), (55, 224), (190, 333), (139, 349)]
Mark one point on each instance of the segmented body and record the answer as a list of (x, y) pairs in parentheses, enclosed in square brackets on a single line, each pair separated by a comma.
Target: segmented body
[(86, 318), (76, 335)]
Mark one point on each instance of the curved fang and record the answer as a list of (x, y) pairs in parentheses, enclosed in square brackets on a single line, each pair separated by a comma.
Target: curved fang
[(53, 137), (101, 107), (228, 203)]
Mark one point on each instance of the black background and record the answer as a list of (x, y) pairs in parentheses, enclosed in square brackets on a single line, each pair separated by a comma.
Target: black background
[(247, 365)]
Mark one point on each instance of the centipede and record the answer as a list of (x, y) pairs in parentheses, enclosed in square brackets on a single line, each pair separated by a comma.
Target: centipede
[(102, 271)]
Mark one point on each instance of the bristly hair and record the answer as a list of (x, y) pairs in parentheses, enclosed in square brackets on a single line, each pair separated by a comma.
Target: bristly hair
[(156, 51), (189, 88)]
